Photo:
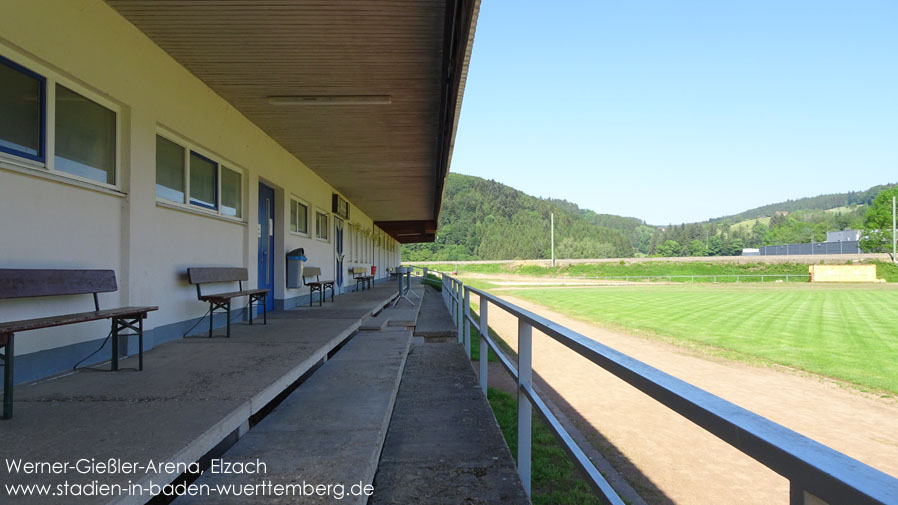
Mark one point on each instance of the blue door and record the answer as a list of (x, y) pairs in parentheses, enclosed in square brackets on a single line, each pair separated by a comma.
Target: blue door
[(266, 243)]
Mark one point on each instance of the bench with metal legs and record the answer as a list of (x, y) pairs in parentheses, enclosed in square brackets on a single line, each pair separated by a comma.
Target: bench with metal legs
[(317, 285), (24, 283), (221, 302)]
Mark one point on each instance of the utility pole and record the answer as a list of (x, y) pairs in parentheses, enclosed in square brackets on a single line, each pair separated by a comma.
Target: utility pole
[(893, 231), (552, 221)]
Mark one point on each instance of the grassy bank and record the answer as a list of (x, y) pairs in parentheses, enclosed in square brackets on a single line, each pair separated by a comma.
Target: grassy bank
[(433, 281), (845, 332), (555, 480)]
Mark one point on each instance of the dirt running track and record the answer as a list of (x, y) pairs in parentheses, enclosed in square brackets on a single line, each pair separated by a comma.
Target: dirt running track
[(673, 460)]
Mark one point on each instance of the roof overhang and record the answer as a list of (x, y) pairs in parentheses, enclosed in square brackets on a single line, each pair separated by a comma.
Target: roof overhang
[(366, 94), (410, 231)]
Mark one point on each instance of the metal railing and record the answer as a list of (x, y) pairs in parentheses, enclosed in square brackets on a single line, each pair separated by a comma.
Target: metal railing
[(712, 278), (817, 474)]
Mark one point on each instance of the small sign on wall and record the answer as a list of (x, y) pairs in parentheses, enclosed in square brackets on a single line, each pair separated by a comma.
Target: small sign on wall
[(340, 206)]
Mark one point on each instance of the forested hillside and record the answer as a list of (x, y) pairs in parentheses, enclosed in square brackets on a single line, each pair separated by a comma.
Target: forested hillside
[(727, 238), (820, 202), (483, 219)]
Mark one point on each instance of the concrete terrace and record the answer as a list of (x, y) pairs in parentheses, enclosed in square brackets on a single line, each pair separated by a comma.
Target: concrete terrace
[(237, 399)]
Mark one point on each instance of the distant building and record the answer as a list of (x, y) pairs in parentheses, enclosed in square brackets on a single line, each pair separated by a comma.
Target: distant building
[(843, 236), (782, 213), (751, 252), (837, 242)]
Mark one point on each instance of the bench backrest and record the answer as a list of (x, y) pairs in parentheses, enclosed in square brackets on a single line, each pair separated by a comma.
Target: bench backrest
[(217, 274), (358, 270), (311, 271), (23, 283)]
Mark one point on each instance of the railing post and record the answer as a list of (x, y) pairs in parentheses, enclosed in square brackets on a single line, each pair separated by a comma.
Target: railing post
[(484, 347), (798, 496), (452, 292), (525, 378), (460, 314), (466, 311)]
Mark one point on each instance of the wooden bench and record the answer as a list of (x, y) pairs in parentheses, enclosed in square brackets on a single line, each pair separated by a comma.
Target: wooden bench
[(360, 274), (28, 283), (317, 285), (222, 301)]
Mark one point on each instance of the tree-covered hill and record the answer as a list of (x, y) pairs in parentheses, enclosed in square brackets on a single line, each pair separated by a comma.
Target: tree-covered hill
[(486, 220), (483, 219), (819, 202)]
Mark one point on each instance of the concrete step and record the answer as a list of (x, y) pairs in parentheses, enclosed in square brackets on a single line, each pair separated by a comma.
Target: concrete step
[(330, 431), (375, 323), (434, 321), (404, 314), (444, 446), (401, 315)]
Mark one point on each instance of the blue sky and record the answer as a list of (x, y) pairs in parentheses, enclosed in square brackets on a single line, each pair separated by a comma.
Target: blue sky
[(679, 111)]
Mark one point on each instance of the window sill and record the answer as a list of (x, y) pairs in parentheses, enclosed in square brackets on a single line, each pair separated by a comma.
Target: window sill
[(298, 234), (319, 239), (198, 212), (42, 173)]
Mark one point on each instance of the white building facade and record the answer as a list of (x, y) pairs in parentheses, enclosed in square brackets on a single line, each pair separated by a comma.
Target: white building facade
[(113, 155)]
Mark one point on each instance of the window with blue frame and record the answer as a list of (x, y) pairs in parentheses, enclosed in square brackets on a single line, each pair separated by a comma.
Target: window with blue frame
[(22, 109), (84, 132), (188, 178)]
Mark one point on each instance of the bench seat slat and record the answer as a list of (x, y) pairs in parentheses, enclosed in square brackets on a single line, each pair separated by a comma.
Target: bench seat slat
[(233, 294), (31, 282), (49, 322)]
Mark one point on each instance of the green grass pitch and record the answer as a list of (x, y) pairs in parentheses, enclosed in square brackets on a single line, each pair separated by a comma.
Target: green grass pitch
[(847, 332)]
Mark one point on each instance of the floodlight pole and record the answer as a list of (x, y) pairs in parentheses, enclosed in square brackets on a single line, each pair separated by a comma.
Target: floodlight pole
[(552, 221)]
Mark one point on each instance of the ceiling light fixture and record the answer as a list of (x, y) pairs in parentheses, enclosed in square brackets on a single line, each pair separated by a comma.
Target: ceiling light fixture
[(330, 100)]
